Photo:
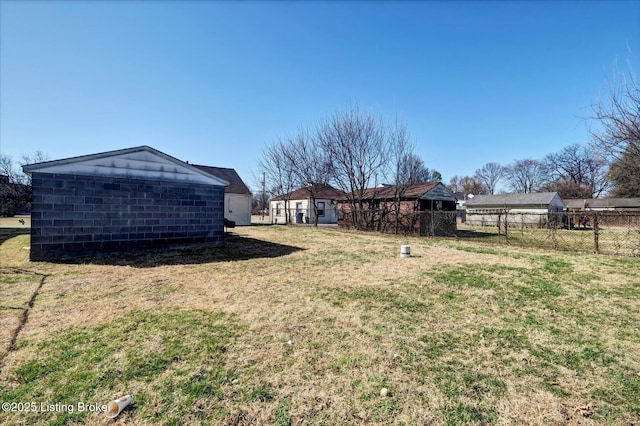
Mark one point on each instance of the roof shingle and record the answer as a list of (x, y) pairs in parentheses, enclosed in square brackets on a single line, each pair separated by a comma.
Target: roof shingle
[(322, 191), (236, 185), (388, 192), (536, 198), (619, 203)]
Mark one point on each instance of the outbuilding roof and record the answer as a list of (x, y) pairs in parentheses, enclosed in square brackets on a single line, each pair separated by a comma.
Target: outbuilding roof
[(322, 191), (423, 191), (603, 203), (236, 184), (501, 200), (141, 162)]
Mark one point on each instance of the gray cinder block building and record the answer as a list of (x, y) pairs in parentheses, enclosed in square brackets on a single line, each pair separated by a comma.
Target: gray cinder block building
[(131, 198)]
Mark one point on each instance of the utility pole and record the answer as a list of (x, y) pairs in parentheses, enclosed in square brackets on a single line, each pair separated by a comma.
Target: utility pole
[(264, 194)]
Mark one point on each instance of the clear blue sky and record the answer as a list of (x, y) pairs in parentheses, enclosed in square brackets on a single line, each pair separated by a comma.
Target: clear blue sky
[(211, 82)]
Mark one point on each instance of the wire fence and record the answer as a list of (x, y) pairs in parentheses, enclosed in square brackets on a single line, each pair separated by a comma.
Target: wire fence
[(606, 232), (404, 222)]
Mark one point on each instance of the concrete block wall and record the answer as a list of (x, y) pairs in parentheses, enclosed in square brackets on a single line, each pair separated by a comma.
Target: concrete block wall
[(73, 214)]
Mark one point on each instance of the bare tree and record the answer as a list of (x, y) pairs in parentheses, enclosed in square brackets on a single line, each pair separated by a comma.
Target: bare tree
[(9, 170), (525, 176), (357, 146), (454, 184), (408, 169), (618, 135), (11, 186), (490, 174), (278, 171), (576, 172), (473, 185), (412, 169), (353, 151), (310, 164), (15, 186), (624, 172), (35, 157)]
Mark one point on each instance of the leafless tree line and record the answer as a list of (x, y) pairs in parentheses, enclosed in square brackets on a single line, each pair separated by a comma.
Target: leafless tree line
[(618, 137), (15, 186), (576, 171), (351, 150)]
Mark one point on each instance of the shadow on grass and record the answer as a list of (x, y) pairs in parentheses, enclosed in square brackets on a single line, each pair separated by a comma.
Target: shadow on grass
[(471, 234), (7, 233), (236, 248)]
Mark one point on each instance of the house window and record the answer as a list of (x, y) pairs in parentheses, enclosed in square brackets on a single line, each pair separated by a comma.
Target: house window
[(320, 208), (278, 210)]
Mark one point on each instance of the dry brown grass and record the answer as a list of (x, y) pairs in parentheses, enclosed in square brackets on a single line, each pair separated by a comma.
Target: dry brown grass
[(452, 347)]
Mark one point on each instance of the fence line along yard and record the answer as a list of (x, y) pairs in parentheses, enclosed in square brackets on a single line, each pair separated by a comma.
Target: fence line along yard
[(614, 232), (605, 232)]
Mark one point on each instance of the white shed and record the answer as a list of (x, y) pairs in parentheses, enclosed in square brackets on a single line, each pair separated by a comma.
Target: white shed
[(237, 197), (526, 209)]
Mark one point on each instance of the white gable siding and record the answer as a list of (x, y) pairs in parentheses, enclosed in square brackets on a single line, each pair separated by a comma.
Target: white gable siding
[(140, 163)]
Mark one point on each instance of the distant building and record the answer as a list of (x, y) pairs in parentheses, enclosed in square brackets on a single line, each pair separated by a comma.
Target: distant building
[(602, 204), (523, 209), (412, 209), (298, 205), (237, 197)]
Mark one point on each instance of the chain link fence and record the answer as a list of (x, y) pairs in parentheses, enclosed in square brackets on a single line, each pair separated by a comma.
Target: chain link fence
[(606, 232)]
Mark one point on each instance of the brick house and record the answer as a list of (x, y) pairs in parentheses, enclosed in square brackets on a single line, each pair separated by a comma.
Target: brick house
[(422, 208)]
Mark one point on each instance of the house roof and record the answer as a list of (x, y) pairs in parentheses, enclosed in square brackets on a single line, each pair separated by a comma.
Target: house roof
[(425, 191), (322, 191), (603, 203), (500, 200), (236, 184), (142, 162)]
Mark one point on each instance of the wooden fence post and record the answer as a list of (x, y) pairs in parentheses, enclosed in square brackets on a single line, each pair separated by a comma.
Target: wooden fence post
[(595, 233), (506, 226)]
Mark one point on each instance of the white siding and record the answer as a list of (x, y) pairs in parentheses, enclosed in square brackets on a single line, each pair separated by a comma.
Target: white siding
[(516, 217), (237, 207), (277, 211)]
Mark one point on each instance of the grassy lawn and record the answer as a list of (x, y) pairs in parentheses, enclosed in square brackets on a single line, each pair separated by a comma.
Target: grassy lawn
[(293, 325)]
